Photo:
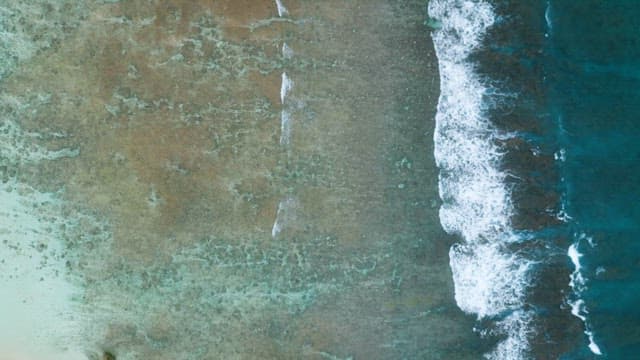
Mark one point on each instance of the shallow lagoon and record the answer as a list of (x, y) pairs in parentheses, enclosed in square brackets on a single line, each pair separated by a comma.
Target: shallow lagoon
[(166, 196)]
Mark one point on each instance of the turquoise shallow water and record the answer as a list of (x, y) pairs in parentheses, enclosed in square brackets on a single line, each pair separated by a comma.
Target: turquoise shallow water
[(594, 69)]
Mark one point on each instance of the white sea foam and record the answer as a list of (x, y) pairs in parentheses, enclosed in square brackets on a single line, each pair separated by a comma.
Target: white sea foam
[(277, 223), (287, 51), (563, 215), (547, 16), (489, 280), (577, 281), (578, 284), (285, 127), (285, 116), (592, 344), (285, 87), (285, 214), (579, 310), (282, 11), (517, 326)]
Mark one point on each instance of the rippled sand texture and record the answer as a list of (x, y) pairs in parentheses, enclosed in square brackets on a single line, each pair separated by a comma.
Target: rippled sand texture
[(229, 179)]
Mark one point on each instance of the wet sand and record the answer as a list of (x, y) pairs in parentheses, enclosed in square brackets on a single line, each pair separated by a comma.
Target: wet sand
[(218, 214)]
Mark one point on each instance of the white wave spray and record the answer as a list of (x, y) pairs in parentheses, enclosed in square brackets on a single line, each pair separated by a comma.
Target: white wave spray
[(578, 284), (490, 281)]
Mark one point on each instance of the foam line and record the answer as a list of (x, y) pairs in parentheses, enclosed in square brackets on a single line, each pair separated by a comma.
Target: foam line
[(282, 11), (277, 227), (283, 215), (578, 284), (489, 280), (285, 116), (285, 87), (285, 127)]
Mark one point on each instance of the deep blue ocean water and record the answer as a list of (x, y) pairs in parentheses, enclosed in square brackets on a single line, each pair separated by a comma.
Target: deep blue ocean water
[(594, 77), (537, 141)]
